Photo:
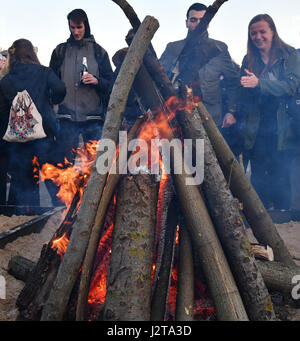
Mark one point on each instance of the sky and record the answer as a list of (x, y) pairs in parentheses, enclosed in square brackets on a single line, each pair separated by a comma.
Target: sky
[(45, 24)]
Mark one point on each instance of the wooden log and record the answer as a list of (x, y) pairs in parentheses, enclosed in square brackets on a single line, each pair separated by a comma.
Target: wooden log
[(20, 267), (163, 274), (34, 294), (97, 229), (220, 281), (278, 276), (130, 269), (185, 294), (68, 271), (229, 225), (240, 186)]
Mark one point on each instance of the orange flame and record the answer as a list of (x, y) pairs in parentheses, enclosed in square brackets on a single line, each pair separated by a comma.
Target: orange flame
[(60, 244), (71, 178)]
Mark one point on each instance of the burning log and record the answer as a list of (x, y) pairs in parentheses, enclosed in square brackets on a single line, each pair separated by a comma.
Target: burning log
[(254, 210), (185, 295), (221, 284), (33, 296), (98, 225), (164, 266), (68, 271), (230, 228), (129, 275)]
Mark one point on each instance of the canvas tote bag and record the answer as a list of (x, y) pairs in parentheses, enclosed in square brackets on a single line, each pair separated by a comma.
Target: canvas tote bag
[(25, 122)]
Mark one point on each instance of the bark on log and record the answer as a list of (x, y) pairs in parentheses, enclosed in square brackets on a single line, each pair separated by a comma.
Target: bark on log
[(185, 294), (20, 267), (277, 276), (68, 271), (221, 284), (130, 269), (97, 229), (229, 225), (240, 186), (163, 280)]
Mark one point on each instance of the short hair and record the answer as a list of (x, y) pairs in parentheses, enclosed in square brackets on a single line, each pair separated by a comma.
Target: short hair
[(78, 15), (196, 7)]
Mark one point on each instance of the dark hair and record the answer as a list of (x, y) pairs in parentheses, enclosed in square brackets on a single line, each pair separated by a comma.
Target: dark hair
[(196, 7), (78, 15), (278, 45), (22, 51)]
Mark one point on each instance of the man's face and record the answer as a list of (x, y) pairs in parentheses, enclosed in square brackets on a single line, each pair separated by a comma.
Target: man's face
[(77, 29), (194, 19)]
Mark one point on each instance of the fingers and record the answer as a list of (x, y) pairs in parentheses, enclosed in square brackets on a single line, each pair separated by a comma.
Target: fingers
[(249, 73)]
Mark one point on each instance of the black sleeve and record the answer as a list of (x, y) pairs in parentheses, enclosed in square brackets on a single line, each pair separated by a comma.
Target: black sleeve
[(57, 87), (4, 113)]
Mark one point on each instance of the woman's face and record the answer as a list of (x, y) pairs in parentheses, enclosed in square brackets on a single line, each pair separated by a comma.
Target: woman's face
[(261, 35)]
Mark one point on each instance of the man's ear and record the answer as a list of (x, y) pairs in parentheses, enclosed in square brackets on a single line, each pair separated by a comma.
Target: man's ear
[(186, 24)]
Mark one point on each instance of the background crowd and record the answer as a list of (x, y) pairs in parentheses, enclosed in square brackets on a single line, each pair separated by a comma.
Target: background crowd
[(254, 105)]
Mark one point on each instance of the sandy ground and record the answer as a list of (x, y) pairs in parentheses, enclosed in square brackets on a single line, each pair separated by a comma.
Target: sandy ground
[(30, 247)]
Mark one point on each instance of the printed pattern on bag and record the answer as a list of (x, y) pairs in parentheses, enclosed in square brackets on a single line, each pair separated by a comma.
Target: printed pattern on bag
[(25, 122)]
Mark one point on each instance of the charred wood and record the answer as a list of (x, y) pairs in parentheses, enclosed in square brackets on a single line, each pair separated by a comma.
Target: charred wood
[(20, 267), (164, 266)]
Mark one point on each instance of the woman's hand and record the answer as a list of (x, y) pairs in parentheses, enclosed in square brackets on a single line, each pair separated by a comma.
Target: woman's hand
[(89, 79), (249, 81), (228, 120)]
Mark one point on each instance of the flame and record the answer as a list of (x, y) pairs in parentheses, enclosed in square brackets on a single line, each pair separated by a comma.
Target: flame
[(60, 244), (72, 178), (97, 290)]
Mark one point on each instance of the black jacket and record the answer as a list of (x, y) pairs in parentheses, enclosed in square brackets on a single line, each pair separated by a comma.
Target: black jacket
[(43, 86)]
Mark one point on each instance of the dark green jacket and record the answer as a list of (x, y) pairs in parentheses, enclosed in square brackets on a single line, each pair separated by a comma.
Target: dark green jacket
[(283, 82)]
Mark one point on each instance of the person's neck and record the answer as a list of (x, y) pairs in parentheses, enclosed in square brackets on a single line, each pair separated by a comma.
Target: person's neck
[(265, 56)]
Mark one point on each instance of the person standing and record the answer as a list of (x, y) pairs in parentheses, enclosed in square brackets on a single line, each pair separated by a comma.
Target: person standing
[(84, 66), (270, 73), (45, 89), (210, 77)]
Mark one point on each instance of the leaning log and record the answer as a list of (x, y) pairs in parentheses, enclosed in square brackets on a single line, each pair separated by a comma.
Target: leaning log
[(229, 225), (163, 272), (185, 291), (220, 281), (129, 275), (68, 271), (240, 186), (97, 229)]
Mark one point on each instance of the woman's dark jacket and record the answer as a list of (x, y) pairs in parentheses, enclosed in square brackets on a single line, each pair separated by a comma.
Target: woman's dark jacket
[(282, 81), (43, 86)]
